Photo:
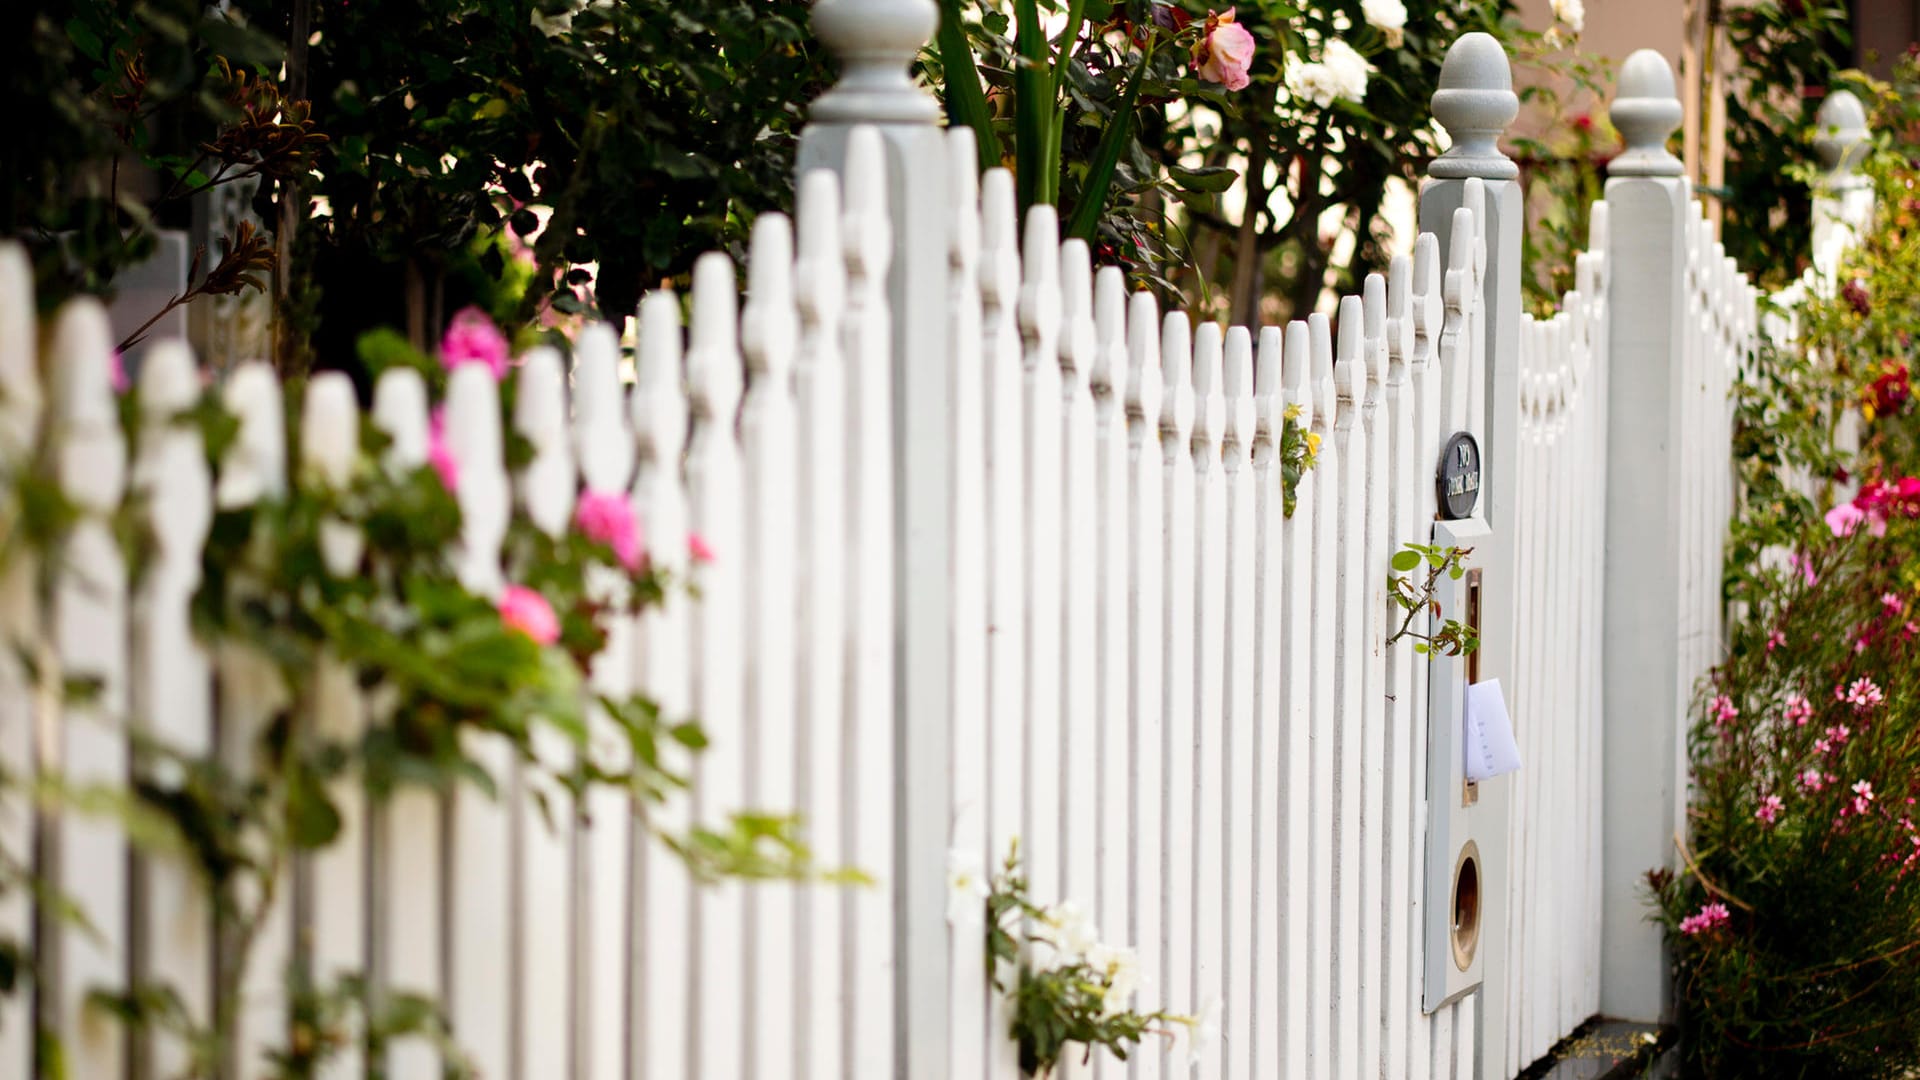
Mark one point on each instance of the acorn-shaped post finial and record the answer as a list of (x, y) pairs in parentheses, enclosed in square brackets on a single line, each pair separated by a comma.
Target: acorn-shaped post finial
[(1646, 110), (1475, 103)]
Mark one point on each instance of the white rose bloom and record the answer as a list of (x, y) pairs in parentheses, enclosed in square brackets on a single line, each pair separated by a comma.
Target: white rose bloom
[(1571, 12), (1349, 68), (1387, 16)]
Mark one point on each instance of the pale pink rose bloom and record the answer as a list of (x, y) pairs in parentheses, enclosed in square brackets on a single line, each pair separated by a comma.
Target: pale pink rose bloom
[(472, 338), (1228, 53), (527, 611), (607, 517)]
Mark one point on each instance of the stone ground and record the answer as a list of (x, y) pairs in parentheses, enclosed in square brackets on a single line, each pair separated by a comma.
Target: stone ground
[(1603, 1049)]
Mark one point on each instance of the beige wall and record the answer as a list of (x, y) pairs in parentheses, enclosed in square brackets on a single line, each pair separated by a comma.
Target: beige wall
[(1615, 28)]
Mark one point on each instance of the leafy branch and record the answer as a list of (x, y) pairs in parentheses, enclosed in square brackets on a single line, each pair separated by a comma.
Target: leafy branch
[(1415, 596)]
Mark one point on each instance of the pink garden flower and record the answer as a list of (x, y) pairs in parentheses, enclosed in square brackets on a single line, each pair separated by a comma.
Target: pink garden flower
[(1224, 52), (1893, 603), (1845, 518), (117, 372), (1710, 917), (1838, 734), (1724, 711), (1813, 780), (1770, 808), (607, 517), (439, 454), (1803, 563), (1864, 695), (1862, 796), (1823, 746), (472, 338), (1776, 639), (527, 611), (1799, 710)]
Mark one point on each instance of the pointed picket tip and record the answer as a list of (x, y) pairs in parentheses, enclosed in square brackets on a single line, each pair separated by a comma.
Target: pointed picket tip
[(819, 282), (999, 239), (1320, 335), (963, 197), (1296, 362), (1176, 365), (330, 428), (400, 412), (868, 237), (1428, 305), (1040, 306), (1598, 227), (169, 381), (659, 402), (1374, 351), (1237, 383), (768, 324), (20, 400), (255, 466), (602, 444), (1143, 358), (1077, 331), (1109, 375), (82, 351), (713, 359), (1209, 421), (1399, 315), (1349, 366), (540, 416)]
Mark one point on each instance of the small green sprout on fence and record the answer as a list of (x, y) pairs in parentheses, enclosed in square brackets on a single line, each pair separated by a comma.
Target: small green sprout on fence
[(1413, 595)]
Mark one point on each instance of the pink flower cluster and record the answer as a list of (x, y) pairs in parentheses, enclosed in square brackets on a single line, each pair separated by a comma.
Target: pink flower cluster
[(1862, 796), (1863, 695), (1769, 809), (1724, 710), (1776, 639), (1799, 710), (527, 611), (1878, 501), (471, 338), (1710, 917), (1815, 780)]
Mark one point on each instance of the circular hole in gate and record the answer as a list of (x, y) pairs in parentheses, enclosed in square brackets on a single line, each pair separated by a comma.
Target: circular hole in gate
[(1466, 906)]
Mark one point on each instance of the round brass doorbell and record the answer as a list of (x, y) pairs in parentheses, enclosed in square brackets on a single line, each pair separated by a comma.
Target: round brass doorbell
[(1466, 906)]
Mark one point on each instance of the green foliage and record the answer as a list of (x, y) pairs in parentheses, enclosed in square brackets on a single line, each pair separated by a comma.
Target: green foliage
[(1064, 987), (1416, 596), (1298, 450), (438, 662), (1781, 55), (1805, 744)]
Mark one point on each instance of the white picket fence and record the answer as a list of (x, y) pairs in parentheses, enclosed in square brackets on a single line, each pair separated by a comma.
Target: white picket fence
[(1178, 699)]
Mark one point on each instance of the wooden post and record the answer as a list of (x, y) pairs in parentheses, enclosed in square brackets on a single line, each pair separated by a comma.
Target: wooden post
[(876, 41), (1475, 102), (1645, 702)]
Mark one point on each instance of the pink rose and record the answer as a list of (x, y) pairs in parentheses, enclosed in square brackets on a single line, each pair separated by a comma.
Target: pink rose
[(607, 517), (472, 338), (527, 611), (1224, 52)]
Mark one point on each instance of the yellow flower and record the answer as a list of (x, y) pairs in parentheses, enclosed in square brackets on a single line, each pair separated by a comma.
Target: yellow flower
[(1866, 411), (1291, 412), (1313, 443)]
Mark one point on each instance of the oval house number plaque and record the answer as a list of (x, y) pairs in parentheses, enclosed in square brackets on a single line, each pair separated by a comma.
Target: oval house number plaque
[(1459, 477)]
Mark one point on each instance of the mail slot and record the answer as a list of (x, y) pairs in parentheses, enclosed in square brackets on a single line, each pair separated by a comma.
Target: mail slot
[(1465, 841)]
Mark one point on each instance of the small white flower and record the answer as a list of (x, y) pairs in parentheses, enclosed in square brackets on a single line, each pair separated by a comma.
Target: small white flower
[(1340, 74), (1349, 68), (967, 889), (1074, 935), (1203, 1031), (1121, 967), (1571, 12), (1387, 16)]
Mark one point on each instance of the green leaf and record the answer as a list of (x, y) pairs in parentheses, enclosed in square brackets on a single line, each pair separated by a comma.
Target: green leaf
[(1212, 179), (1106, 156), (966, 99), (1406, 560), (1033, 108)]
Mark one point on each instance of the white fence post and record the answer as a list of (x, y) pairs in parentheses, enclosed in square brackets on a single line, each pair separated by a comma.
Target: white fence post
[(877, 41), (1475, 102), (1843, 204), (1643, 777)]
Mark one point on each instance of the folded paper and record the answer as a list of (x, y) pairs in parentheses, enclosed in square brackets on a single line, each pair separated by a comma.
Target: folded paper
[(1491, 750)]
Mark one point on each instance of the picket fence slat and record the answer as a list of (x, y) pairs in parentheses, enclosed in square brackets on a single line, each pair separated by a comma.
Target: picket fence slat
[(1174, 700)]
